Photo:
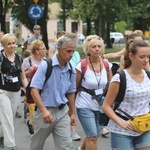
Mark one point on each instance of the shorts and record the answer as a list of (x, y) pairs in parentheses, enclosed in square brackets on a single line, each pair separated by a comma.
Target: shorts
[(89, 120), (123, 142)]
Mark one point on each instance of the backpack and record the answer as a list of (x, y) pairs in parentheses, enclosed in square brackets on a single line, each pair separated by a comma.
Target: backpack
[(29, 98), (115, 68), (103, 119)]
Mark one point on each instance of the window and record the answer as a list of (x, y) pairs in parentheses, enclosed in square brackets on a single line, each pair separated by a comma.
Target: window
[(59, 26)]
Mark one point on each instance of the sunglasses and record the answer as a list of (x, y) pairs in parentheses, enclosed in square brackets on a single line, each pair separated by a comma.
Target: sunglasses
[(94, 37)]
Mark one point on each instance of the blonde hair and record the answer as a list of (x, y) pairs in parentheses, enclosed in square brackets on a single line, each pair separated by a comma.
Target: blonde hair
[(6, 38), (139, 32), (35, 45), (89, 39)]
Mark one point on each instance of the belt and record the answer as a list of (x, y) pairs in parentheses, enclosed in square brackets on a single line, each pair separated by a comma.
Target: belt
[(91, 91), (61, 106)]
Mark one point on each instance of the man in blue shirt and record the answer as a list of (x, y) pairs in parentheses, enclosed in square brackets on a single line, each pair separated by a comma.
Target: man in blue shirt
[(58, 91)]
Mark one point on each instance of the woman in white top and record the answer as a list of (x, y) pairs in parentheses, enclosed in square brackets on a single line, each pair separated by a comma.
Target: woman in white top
[(136, 99), (93, 81)]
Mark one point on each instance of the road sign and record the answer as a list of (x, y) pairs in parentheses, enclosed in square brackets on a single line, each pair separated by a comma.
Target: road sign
[(35, 11)]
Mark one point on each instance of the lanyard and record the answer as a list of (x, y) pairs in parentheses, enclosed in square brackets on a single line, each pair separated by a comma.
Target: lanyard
[(98, 81)]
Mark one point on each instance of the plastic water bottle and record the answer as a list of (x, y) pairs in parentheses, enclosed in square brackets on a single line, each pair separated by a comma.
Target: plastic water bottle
[(102, 100)]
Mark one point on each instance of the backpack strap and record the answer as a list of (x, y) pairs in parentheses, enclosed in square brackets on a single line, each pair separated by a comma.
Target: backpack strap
[(148, 73), (106, 65), (70, 70), (29, 59), (122, 89), (49, 68), (84, 63), (1, 61)]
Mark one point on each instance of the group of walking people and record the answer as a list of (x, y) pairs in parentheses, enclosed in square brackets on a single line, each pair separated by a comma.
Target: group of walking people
[(74, 87)]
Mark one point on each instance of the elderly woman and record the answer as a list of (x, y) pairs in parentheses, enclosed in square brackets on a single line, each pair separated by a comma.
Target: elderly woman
[(11, 78), (95, 80), (38, 51)]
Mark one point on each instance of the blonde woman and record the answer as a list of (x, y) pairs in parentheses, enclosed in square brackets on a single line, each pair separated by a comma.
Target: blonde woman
[(94, 81), (11, 77), (38, 51)]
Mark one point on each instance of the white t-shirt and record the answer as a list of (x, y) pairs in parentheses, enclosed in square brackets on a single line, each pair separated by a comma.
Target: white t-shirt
[(83, 99), (136, 101)]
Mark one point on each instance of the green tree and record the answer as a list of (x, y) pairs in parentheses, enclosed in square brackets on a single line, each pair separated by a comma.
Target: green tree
[(5, 5)]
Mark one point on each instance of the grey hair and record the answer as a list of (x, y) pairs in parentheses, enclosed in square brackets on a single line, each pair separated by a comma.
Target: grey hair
[(62, 41)]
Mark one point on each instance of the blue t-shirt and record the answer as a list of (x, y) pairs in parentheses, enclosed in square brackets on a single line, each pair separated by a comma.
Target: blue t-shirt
[(60, 82)]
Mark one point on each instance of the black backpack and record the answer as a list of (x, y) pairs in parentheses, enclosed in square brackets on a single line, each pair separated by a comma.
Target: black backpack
[(29, 98)]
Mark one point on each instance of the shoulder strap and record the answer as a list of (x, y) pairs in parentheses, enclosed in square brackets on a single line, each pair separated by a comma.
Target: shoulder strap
[(1, 60), (70, 70), (122, 89), (106, 65), (148, 73), (84, 63), (29, 59), (49, 68)]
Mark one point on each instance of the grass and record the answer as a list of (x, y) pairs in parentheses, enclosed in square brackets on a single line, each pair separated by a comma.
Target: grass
[(116, 48)]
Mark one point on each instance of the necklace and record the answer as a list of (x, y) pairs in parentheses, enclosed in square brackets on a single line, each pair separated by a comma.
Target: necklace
[(98, 81)]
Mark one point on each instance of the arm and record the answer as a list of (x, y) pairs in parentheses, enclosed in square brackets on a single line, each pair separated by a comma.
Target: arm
[(114, 55), (109, 75), (51, 51), (107, 106), (78, 78), (121, 63), (71, 104), (46, 115)]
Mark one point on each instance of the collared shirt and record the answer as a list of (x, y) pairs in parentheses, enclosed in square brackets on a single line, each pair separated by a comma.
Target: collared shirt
[(60, 82)]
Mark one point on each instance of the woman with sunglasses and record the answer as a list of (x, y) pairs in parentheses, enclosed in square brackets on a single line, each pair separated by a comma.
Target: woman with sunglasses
[(92, 85)]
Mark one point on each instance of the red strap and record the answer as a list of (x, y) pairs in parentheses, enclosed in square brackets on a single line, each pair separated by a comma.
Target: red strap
[(33, 72), (84, 63), (106, 65)]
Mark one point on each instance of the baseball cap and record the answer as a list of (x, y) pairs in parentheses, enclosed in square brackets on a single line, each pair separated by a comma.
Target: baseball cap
[(36, 27)]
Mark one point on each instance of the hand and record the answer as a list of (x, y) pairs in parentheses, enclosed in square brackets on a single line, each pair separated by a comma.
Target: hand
[(47, 117), (127, 125), (73, 120)]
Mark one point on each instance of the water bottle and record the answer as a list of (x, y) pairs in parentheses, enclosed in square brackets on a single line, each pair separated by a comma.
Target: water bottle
[(102, 100)]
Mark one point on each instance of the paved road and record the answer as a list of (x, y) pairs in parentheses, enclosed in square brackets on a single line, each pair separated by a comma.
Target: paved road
[(23, 136)]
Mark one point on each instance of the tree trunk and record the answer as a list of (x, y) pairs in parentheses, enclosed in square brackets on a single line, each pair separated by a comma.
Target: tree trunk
[(3, 25), (109, 44), (88, 21)]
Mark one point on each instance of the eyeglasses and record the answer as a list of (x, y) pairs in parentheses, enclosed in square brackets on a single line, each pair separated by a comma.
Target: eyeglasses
[(42, 49)]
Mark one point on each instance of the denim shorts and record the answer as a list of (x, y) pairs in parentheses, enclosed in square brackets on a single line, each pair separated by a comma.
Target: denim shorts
[(89, 120), (123, 142)]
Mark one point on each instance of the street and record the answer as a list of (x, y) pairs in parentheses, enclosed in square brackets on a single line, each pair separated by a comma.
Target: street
[(23, 136)]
